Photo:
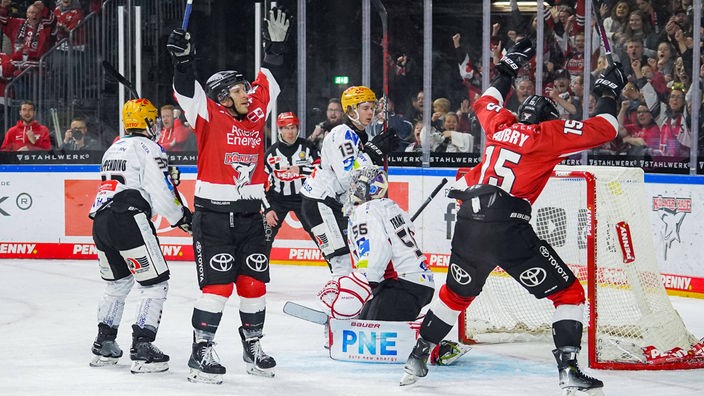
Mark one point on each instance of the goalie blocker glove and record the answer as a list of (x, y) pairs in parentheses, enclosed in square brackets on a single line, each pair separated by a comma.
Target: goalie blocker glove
[(186, 221), (516, 57), (180, 47), (380, 145), (611, 81)]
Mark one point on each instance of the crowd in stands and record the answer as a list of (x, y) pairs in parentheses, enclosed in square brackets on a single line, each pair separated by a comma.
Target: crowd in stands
[(652, 39)]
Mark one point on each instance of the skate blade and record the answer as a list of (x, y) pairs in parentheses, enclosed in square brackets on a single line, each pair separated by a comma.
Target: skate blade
[(583, 392), (269, 373), (408, 379), (141, 367), (200, 377), (102, 361)]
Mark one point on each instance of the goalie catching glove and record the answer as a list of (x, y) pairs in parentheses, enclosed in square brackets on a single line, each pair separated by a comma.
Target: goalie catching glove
[(611, 81), (380, 145), (516, 57), (344, 298), (180, 47), (185, 222)]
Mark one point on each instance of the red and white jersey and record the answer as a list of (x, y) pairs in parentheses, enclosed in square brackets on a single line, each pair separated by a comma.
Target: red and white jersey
[(230, 150), (382, 244), (519, 158), (340, 154), (138, 163)]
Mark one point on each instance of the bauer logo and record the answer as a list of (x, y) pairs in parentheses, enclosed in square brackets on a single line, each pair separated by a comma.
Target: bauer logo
[(623, 232)]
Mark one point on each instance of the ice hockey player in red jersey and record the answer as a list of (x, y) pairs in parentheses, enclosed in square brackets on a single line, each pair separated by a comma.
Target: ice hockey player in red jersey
[(496, 197), (228, 118)]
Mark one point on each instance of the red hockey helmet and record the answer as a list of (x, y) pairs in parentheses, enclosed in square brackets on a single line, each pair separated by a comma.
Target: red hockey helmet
[(287, 118)]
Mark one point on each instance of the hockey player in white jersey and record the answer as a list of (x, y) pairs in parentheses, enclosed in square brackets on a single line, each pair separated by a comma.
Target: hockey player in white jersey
[(344, 149), (135, 185), (392, 281)]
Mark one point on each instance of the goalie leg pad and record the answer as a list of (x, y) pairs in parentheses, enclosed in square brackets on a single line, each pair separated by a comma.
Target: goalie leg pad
[(447, 352), (344, 298)]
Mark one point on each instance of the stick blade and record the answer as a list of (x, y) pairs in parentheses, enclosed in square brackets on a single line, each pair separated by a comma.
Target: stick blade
[(306, 313)]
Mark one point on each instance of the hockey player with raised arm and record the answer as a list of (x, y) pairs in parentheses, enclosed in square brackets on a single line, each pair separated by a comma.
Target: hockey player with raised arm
[(287, 163), (228, 117), (345, 148), (496, 197), (135, 185)]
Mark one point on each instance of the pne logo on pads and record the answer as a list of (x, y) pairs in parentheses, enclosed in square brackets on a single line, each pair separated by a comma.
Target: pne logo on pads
[(371, 341)]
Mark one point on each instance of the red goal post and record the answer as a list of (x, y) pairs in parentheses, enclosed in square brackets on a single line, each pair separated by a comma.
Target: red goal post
[(597, 220)]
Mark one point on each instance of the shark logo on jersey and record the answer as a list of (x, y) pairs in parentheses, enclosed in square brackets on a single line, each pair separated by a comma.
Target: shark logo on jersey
[(244, 165)]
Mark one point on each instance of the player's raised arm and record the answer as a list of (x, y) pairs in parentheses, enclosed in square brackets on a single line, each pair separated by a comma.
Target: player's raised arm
[(516, 57)]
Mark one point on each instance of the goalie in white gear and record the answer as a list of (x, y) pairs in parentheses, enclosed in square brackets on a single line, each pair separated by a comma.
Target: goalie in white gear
[(135, 184), (392, 281)]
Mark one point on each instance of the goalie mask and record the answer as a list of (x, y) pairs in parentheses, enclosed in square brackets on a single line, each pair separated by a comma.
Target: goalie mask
[(140, 114), (368, 183), (218, 85), (536, 109)]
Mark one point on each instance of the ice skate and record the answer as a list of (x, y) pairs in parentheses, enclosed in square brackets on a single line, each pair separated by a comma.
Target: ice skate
[(105, 353), (447, 352), (417, 363), (147, 358), (105, 350), (259, 362), (204, 364), (572, 379)]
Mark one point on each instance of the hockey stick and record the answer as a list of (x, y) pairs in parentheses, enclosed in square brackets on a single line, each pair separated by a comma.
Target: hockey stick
[(57, 128), (384, 16), (187, 15), (302, 312), (602, 32), (430, 198), (112, 72)]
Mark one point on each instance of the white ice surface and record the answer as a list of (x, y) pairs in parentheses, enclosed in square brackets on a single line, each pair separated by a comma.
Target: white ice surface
[(47, 325)]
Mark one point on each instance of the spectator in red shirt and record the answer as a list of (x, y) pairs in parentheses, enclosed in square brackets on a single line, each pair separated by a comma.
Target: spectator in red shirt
[(28, 134), (68, 14), (174, 134), (645, 139), (31, 37)]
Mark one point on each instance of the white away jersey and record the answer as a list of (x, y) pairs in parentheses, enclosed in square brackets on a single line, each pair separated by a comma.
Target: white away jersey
[(340, 154), (382, 243), (138, 163)]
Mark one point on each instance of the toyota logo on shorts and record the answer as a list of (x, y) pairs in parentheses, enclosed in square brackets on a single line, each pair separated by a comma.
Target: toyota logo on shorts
[(460, 275), (257, 262), (222, 262), (532, 277)]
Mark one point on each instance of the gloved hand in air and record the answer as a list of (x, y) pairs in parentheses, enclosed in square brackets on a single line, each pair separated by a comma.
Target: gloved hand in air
[(516, 57), (180, 46)]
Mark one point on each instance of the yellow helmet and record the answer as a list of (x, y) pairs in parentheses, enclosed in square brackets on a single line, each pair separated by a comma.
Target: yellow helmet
[(353, 96), (139, 114)]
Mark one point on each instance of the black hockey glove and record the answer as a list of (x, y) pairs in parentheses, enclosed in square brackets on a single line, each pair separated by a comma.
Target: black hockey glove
[(276, 31), (611, 81), (381, 144), (180, 47), (175, 175), (517, 56), (185, 222)]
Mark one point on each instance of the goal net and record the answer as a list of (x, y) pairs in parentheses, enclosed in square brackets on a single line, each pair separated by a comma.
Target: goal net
[(597, 221)]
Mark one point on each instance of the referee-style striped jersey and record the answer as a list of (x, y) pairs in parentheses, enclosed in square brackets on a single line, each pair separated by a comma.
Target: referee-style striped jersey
[(282, 182)]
